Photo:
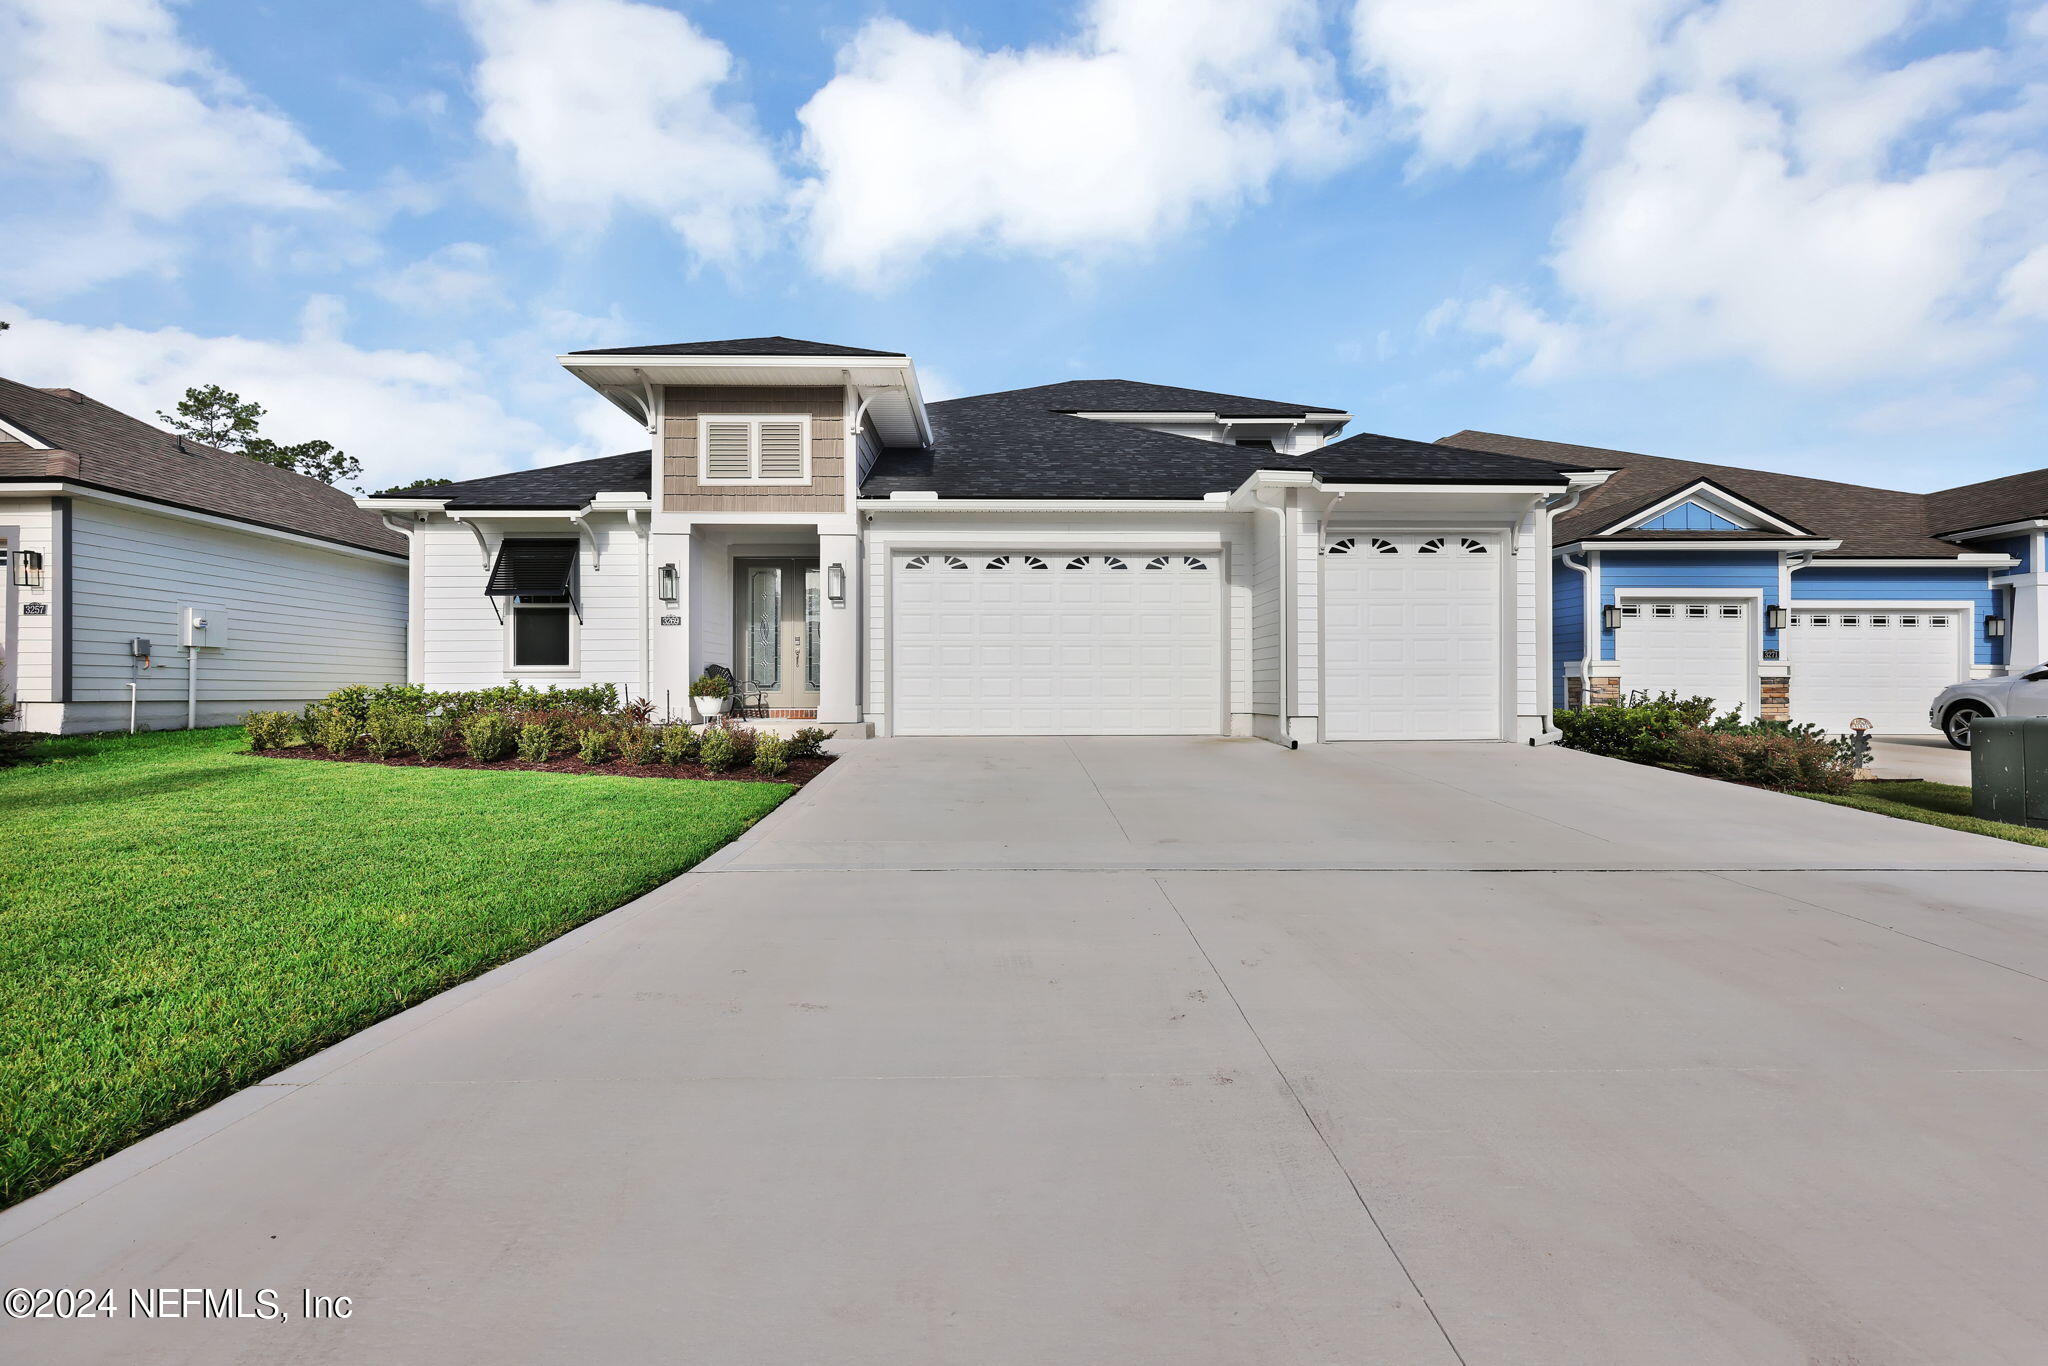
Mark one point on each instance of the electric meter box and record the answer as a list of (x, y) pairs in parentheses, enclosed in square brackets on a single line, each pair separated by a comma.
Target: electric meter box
[(203, 627)]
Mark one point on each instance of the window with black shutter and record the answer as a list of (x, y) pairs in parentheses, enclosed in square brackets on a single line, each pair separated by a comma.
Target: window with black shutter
[(537, 579)]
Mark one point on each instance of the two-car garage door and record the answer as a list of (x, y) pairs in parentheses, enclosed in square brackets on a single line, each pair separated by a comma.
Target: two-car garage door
[(1058, 643)]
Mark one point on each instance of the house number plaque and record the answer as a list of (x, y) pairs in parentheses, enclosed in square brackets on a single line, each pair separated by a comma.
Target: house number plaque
[(671, 621), (35, 609)]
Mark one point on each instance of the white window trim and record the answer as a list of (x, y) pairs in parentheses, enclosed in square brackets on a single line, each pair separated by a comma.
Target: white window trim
[(575, 665), (754, 421)]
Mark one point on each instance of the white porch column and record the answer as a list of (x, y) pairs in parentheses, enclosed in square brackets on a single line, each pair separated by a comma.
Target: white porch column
[(673, 665), (839, 630)]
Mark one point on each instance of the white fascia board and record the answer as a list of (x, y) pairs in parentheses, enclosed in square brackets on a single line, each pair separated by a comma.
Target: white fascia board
[(1588, 479), (719, 362), (601, 501), (1908, 562), (14, 433), (1442, 486), (1713, 493), (1978, 533), (371, 504), (1062, 505), (90, 494), (1760, 544)]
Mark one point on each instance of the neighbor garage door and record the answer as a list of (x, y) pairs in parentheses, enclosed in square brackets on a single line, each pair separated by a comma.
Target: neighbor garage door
[(1694, 649), (1057, 643), (1884, 666), (1412, 637)]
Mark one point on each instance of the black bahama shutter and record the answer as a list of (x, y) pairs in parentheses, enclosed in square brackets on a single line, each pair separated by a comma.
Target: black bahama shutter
[(535, 568)]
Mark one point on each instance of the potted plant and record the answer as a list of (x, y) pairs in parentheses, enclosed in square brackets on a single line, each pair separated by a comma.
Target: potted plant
[(711, 694)]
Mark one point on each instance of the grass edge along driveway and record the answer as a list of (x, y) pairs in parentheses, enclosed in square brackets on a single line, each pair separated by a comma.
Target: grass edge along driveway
[(179, 919), (1931, 803)]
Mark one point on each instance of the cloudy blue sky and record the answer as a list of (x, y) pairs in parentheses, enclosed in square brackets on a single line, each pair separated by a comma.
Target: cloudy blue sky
[(1805, 234)]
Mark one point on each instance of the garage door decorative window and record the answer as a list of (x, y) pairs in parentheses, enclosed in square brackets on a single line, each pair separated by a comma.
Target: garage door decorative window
[(927, 561), (1103, 561), (1175, 562), (1439, 545), (1017, 562)]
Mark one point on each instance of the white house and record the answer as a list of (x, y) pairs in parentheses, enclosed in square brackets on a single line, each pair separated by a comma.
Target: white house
[(1087, 557), (156, 580)]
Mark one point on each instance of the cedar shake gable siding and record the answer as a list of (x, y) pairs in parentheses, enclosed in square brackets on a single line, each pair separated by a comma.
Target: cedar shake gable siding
[(681, 491)]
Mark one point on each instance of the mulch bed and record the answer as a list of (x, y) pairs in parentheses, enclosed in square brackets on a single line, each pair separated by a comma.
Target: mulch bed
[(800, 771)]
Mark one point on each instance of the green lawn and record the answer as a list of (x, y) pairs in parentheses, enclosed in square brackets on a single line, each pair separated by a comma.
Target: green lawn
[(1943, 804), (178, 919)]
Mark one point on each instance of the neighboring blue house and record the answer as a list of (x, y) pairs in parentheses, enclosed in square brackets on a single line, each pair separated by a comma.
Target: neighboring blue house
[(1786, 597)]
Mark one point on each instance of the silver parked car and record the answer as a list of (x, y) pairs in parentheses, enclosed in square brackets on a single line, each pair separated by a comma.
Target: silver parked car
[(1958, 706)]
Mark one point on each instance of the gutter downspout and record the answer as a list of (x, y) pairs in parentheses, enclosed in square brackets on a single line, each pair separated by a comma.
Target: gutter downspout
[(1590, 612), (191, 686), (1283, 550), (643, 534)]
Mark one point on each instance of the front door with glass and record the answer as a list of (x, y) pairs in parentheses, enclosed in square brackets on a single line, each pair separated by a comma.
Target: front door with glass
[(777, 615)]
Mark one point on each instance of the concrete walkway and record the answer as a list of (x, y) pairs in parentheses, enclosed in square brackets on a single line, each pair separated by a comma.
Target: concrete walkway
[(1124, 1051)]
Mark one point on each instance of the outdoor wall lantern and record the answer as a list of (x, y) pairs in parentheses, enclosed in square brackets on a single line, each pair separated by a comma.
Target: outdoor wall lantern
[(28, 569), (667, 584), (1610, 617), (835, 582), (1994, 626), (1774, 618)]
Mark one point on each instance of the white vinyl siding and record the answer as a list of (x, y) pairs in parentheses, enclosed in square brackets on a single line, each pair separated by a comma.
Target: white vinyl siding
[(300, 621), (465, 644), (28, 643), (755, 450)]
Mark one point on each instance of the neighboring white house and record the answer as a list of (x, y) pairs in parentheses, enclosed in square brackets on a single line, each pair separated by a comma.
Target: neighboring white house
[(156, 577), (1088, 557)]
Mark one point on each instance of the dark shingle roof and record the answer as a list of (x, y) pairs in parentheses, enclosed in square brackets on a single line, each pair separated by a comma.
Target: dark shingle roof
[(741, 346), (553, 486), (102, 447), (2012, 498), (1875, 523), (1136, 396), (1023, 444)]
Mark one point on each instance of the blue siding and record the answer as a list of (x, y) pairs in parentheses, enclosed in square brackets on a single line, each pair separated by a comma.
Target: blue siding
[(1910, 583), (1567, 624), (1680, 570), (2020, 548), (1689, 516)]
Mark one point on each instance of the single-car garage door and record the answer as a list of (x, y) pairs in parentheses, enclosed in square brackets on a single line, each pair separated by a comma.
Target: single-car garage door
[(1882, 665), (1057, 643), (1694, 649), (1412, 637)]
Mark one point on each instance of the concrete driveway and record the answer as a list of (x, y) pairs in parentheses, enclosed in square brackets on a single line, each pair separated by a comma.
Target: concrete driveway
[(1918, 756), (1124, 1051)]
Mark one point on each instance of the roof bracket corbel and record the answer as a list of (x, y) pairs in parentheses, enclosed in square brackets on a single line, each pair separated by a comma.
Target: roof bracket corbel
[(483, 546)]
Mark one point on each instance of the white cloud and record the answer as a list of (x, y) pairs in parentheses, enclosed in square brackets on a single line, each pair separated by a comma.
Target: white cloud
[(610, 105), (1471, 76), (1159, 111), (404, 414), (1755, 181), (110, 88), (456, 278)]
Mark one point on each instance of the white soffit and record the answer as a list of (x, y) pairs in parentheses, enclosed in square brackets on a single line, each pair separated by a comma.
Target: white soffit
[(895, 412)]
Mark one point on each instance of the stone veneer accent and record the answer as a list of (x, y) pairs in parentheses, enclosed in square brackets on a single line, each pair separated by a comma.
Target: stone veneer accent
[(1777, 699)]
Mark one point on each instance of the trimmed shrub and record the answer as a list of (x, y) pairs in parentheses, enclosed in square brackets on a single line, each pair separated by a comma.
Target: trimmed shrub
[(336, 731), (488, 736), (809, 743), (1779, 756), (717, 750), (1638, 729), (429, 737), (594, 745), (537, 741), (771, 755), (389, 732), (639, 745), (678, 745), (271, 729)]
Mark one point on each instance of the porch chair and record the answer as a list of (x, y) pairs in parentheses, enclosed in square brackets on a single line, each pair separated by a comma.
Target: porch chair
[(745, 705)]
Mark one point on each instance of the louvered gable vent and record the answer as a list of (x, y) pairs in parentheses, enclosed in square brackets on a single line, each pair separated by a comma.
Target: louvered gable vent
[(728, 450), (782, 450)]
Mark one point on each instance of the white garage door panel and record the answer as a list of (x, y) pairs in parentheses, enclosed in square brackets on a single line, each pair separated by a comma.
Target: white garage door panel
[(1692, 648), (1882, 664), (1412, 637), (1057, 644)]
